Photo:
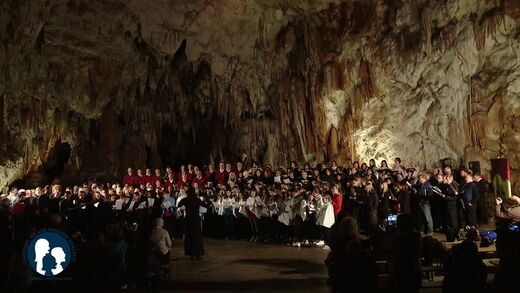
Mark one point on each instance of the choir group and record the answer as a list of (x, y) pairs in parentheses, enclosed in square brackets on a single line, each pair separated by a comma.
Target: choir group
[(297, 206), (292, 205)]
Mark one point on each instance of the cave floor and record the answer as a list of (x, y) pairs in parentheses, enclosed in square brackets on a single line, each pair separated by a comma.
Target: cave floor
[(238, 265)]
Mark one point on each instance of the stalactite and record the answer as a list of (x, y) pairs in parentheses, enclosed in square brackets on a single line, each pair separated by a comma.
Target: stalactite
[(283, 108), (345, 132), (446, 38), (493, 23), (479, 35), (333, 143), (487, 26), (474, 128), (334, 73), (426, 29), (367, 87)]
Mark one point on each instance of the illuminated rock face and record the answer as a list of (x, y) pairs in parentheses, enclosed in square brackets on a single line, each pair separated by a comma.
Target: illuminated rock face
[(155, 82)]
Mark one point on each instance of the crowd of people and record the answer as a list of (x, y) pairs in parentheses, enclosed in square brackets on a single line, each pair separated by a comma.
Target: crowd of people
[(298, 206), (128, 223)]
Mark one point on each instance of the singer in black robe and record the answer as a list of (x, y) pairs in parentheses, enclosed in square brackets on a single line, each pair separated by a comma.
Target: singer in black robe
[(450, 193), (193, 245)]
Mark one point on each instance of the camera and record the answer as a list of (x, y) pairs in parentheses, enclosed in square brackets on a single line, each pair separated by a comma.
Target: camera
[(513, 227), (391, 220)]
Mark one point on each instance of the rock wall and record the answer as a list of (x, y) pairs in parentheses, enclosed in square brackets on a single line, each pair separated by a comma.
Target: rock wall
[(156, 82)]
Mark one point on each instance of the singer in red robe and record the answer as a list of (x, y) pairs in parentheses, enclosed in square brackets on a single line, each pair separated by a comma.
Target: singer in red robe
[(337, 199), (149, 178), (221, 175), (129, 178), (170, 181), (210, 174), (199, 180), (191, 173), (183, 182), (139, 179)]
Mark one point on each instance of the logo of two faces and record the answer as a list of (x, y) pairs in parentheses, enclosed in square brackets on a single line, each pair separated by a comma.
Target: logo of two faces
[(49, 253)]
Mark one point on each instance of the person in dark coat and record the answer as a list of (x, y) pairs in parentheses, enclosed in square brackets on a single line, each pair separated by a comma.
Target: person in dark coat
[(482, 204), (403, 196), (425, 194), (193, 245), (370, 208), (470, 196), (450, 194)]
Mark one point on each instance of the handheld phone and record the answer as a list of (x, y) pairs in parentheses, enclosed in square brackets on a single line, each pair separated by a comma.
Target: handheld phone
[(514, 227), (391, 220)]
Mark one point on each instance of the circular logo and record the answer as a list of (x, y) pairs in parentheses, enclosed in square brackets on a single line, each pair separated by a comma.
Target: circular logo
[(49, 252)]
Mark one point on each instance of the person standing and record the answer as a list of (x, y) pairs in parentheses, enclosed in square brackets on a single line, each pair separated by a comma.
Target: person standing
[(482, 204), (425, 192), (325, 217), (129, 178), (450, 193), (356, 199), (149, 178), (139, 179), (193, 244), (370, 208), (337, 199), (221, 176), (403, 197), (470, 198)]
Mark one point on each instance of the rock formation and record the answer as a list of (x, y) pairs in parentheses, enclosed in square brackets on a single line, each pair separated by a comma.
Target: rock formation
[(158, 82)]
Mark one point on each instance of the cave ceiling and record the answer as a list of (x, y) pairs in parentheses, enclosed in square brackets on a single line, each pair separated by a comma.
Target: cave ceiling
[(149, 83)]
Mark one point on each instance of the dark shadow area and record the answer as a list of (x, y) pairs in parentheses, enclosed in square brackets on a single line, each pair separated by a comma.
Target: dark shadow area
[(267, 285), (55, 165), (149, 161), (177, 148)]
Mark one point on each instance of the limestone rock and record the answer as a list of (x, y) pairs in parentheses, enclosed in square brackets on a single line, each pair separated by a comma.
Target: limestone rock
[(159, 82)]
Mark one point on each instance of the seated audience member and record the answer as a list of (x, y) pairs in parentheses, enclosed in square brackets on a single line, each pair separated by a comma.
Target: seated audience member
[(508, 246), (465, 270), (161, 241), (351, 266), (510, 210), (358, 271), (404, 267), (115, 261), (433, 251), (6, 239)]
